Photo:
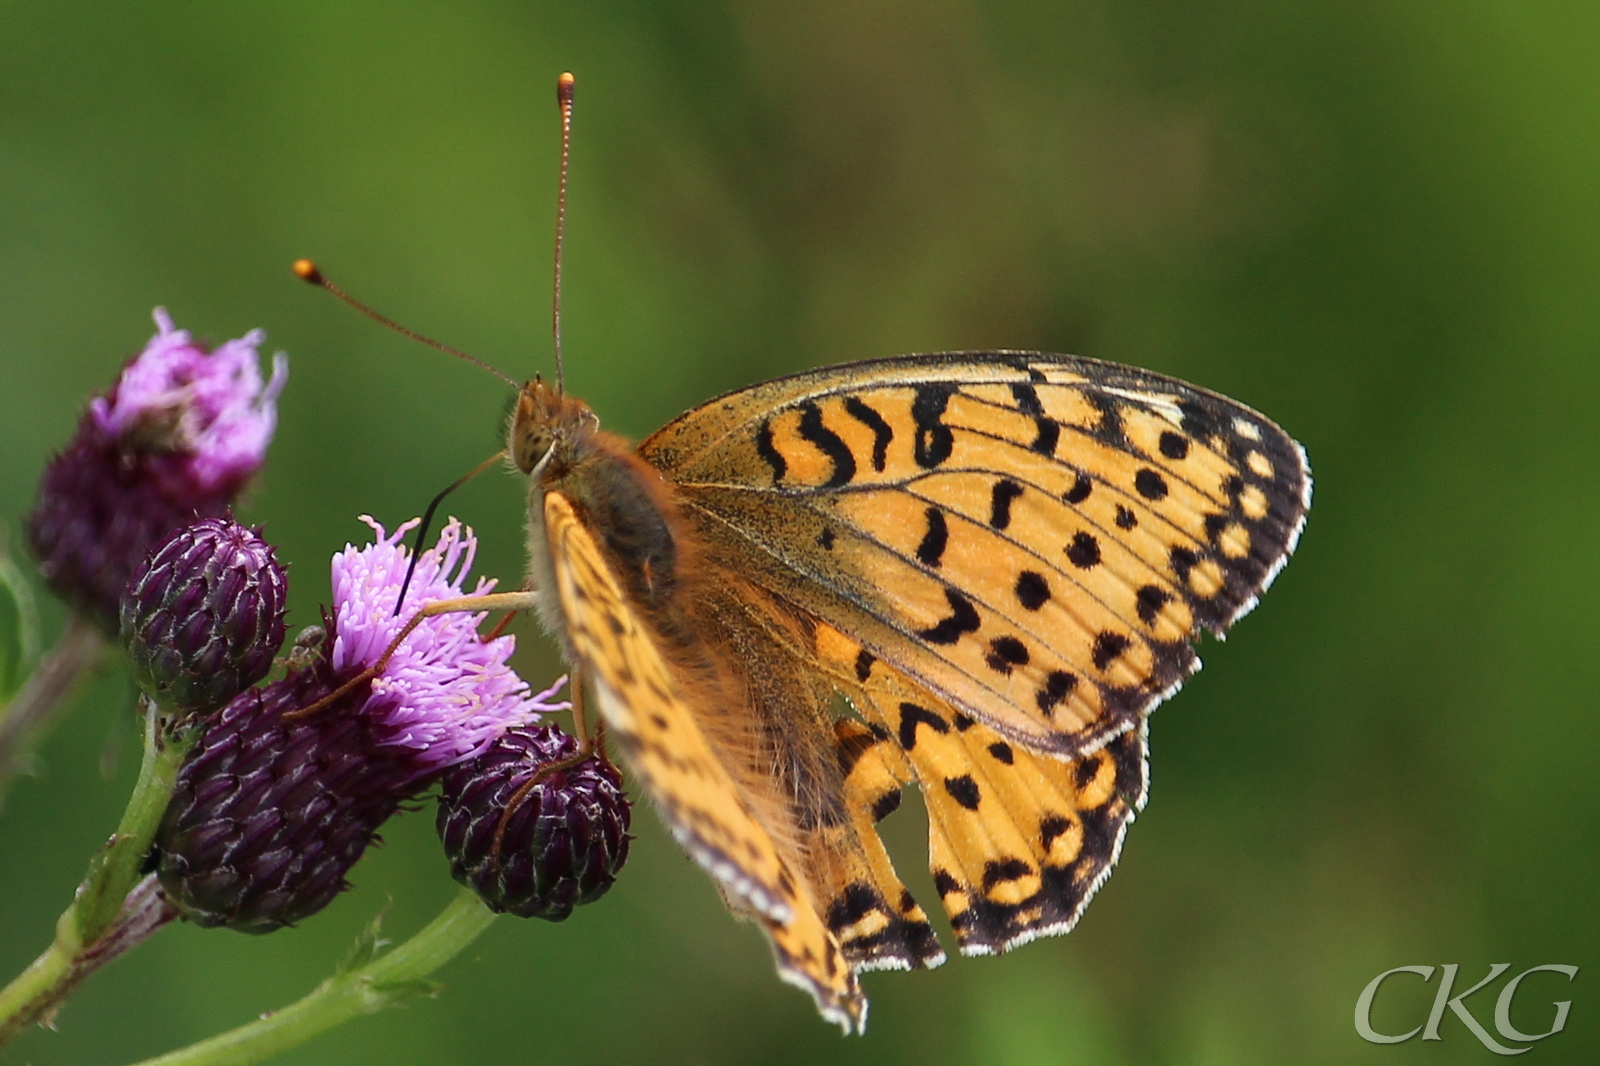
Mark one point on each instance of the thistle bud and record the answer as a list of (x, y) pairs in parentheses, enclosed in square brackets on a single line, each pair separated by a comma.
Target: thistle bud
[(269, 815), (563, 844), (204, 615), (175, 439)]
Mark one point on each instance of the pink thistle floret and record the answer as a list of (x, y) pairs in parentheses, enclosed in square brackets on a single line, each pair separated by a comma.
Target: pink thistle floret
[(212, 406), (445, 694)]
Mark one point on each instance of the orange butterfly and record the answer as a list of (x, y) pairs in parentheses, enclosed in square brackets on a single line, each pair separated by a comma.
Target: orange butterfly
[(999, 559)]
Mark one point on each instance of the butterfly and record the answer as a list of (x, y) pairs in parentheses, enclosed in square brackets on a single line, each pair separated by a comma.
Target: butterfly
[(1000, 560)]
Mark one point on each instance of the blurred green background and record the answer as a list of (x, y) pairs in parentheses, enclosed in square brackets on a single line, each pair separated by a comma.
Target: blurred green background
[(1376, 222)]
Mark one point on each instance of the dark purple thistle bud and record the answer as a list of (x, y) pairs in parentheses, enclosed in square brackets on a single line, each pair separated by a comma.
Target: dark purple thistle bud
[(269, 815), (204, 615), (564, 842), (271, 812), (176, 438)]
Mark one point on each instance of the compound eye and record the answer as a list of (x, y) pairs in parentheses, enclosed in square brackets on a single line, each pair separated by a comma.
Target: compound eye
[(531, 448)]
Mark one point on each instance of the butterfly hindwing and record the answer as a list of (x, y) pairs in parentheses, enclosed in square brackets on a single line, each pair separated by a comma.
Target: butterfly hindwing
[(1019, 842), (1036, 539), (830, 789)]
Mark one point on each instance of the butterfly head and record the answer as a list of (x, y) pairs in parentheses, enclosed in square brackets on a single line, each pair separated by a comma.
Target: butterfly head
[(544, 427)]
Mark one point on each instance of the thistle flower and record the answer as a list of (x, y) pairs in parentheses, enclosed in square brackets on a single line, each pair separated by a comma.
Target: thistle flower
[(446, 694), (204, 615), (176, 438), (564, 842), (270, 813)]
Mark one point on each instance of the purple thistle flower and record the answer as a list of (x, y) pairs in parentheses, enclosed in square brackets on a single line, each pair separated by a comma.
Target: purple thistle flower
[(212, 407), (271, 812), (175, 439), (445, 695)]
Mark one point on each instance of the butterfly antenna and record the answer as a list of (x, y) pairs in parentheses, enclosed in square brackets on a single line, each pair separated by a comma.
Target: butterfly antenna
[(564, 100), (306, 270), (427, 521)]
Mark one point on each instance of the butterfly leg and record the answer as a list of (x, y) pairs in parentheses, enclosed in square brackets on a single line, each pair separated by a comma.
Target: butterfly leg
[(495, 601)]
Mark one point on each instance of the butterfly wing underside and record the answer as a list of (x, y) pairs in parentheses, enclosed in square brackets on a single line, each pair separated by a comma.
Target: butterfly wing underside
[(1035, 539), (651, 718)]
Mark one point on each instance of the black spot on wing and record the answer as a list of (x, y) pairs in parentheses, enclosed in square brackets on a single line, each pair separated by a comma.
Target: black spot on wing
[(1005, 653), (1051, 828), (1058, 684), (1002, 752), (963, 618), (912, 716), (934, 538), (1027, 398), (934, 439), (855, 903), (882, 432), (1082, 485), (1174, 445), (1110, 429), (1107, 646), (826, 538), (1084, 551), (1125, 518), (1198, 421), (765, 449), (885, 805), (999, 871), (1000, 499), (828, 443), (964, 790), (1047, 435), (864, 661), (1033, 591), (1150, 599), (1151, 485)]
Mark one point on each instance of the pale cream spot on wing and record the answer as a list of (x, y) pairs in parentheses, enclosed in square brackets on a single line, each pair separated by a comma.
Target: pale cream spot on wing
[(1253, 502), (1259, 464), (1234, 541), (1205, 578)]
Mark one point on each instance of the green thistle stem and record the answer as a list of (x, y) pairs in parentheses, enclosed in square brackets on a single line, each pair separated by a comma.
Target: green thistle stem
[(115, 907), (361, 987)]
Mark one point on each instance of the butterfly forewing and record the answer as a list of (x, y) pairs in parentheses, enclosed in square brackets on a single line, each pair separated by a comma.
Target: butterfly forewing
[(1035, 539)]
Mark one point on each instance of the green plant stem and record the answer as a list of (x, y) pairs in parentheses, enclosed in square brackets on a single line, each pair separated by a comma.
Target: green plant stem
[(39, 703), (115, 870), (115, 907), (361, 990), (40, 990)]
